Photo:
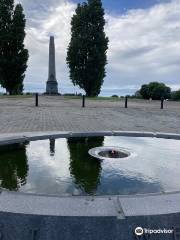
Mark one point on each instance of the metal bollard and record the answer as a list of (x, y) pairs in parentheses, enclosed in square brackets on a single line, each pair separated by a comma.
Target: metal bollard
[(162, 102), (176, 233), (36, 100), (83, 101), (34, 234), (126, 102), (1, 232)]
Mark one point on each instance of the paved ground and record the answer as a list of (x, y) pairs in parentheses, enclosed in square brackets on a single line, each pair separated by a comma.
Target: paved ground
[(18, 114)]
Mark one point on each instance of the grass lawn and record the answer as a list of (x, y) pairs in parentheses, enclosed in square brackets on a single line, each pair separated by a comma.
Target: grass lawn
[(94, 98), (16, 96)]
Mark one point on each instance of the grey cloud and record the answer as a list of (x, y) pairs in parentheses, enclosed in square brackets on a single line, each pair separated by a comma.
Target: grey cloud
[(136, 52)]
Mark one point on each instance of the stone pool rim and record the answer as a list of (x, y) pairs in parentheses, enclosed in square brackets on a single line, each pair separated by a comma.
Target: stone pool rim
[(118, 206)]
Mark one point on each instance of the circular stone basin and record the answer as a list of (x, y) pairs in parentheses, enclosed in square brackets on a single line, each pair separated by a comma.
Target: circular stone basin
[(107, 153), (64, 167)]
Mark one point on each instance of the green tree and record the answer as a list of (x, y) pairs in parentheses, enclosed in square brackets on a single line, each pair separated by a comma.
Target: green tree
[(159, 90), (155, 90), (13, 55), (86, 55), (6, 12), (175, 95), (144, 91)]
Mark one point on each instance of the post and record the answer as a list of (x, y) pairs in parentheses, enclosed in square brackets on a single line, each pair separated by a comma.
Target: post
[(36, 100), (83, 101), (126, 102), (162, 102)]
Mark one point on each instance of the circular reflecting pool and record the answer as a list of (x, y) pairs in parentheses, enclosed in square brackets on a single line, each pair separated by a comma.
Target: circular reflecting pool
[(64, 167)]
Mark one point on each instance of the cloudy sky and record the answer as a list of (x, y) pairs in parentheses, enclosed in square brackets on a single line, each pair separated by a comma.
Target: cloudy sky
[(144, 43)]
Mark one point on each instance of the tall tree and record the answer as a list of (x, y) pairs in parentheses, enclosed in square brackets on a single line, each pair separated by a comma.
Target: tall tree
[(86, 56), (13, 55), (6, 12)]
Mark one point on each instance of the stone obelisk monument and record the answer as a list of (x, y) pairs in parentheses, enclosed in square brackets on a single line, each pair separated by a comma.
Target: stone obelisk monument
[(52, 85)]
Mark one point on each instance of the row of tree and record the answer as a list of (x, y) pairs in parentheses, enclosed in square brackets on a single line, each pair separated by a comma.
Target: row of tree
[(156, 90), (13, 55)]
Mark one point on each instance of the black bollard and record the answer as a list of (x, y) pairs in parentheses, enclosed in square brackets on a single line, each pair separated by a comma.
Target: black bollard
[(83, 101), (176, 232), (162, 102), (126, 102), (36, 100), (34, 234)]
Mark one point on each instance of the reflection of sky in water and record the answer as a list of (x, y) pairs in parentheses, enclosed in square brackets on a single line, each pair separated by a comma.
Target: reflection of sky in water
[(64, 167), (48, 172), (154, 161)]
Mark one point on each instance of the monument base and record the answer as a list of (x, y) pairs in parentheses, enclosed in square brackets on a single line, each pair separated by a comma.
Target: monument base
[(52, 88)]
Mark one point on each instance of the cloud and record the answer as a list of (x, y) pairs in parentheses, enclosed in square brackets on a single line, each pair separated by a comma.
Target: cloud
[(144, 45)]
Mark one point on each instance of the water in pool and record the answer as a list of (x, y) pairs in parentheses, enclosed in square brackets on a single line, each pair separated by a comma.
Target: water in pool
[(64, 167)]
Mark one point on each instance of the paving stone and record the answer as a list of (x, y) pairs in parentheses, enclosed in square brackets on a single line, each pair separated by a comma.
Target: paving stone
[(56, 113)]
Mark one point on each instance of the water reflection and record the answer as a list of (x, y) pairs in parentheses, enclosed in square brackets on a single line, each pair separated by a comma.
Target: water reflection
[(65, 167), (13, 171), (85, 169), (52, 147)]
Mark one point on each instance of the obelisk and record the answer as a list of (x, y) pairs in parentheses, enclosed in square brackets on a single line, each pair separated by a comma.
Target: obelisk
[(52, 85)]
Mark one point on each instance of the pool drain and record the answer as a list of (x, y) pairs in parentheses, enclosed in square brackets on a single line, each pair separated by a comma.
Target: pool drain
[(107, 153)]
